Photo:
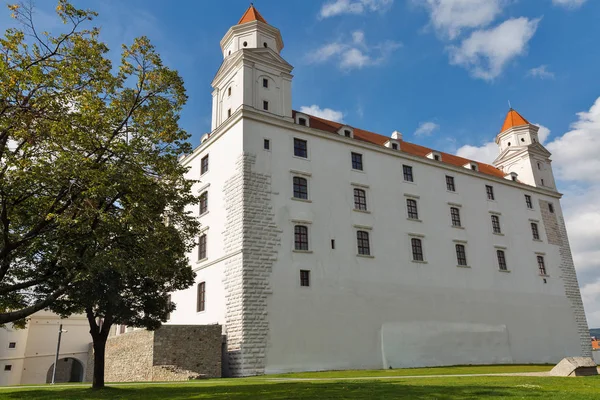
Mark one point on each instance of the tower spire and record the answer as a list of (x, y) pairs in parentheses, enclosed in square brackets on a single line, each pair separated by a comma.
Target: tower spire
[(250, 15)]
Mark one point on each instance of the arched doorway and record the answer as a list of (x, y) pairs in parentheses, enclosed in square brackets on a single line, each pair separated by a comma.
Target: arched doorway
[(68, 369)]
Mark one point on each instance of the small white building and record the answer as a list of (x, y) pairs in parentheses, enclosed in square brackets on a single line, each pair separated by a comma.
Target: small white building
[(326, 246), (27, 355)]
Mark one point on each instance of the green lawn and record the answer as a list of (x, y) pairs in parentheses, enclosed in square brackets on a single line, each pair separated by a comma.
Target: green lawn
[(446, 388)]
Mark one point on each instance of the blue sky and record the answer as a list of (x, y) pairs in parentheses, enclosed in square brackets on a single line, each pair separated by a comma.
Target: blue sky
[(440, 71)]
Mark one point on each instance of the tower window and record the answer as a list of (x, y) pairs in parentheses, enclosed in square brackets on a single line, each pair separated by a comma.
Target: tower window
[(360, 200), (509, 144), (265, 105), (542, 181), (522, 139), (534, 231), (417, 249), (201, 297), (333, 244), (496, 224), (229, 53), (204, 165), (300, 188), (541, 265), (245, 44), (7, 367), (304, 277), (301, 238), (228, 91), (501, 260), (357, 162), (229, 113), (539, 166), (266, 144), (265, 83), (461, 255), (551, 207), (362, 240), (12, 345), (265, 44), (411, 207), (407, 170)]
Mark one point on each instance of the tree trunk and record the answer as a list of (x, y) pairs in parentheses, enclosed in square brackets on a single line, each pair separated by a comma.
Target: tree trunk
[(99, 353)]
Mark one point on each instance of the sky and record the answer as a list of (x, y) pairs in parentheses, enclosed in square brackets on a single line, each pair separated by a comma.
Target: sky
[(442, 72)]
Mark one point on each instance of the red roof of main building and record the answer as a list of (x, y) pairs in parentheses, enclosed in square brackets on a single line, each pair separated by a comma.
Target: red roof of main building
[(410, 148), (250, 15), (513, 118)]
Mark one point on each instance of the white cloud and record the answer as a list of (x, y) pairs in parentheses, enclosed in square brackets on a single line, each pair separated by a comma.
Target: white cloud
[(338, 7), (426, 128), (449, 17), (576, 165), (353, 52), (568, 3), (325, 113), (541, 72), (485, 53)]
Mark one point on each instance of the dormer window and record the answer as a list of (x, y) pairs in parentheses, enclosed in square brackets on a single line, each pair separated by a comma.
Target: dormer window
[(512, 176), (395, 146), (434, 155), (302, 119), (265, 83), (346, 131), (472, 166)]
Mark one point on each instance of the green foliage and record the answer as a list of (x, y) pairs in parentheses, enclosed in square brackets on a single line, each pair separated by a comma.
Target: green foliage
[(89, 175)]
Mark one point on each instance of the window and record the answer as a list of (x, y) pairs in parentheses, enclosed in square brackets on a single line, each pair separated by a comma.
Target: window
[(122, 329), (496, 224), (408, 173), (411, 206), (265, 83), (7, 367), (266, 144), (245, 44), (474, 167), (436, 157), (501, 260), (333, 244), (301, 238), (265, 105), (395, 146), (461, 255), (362, 240), (202, 247), (228, 91), (201, 297), (455, 215), (360, 200), (302, 121), (203, 203), (265, 44), (304, 277), (490, 192), (417, 249), (528, 202), (450, 184), (539, 166), (300, 148), (542, 182), (204, 165), (347, 133), (534, 231), (551, 207), (229, 113), (12, 345), (357, 161), (300, 188), (541, 265)]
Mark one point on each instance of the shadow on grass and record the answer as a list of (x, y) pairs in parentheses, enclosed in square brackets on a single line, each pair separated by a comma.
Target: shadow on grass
[(292, 391)]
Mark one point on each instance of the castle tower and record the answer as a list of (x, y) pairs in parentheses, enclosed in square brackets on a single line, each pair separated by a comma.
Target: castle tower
[(521, 152), (253, 74)]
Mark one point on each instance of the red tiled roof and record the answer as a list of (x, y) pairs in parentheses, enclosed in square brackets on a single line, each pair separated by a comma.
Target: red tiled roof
[(513, 118), (410, 148), (251, 14)]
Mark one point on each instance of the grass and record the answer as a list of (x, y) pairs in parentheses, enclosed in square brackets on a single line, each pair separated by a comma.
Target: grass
[(445, 388)]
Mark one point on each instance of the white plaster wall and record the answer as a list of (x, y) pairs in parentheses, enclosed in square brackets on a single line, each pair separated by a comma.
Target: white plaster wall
[(596, 355), (12, 357), (337, 321), (223, 153)]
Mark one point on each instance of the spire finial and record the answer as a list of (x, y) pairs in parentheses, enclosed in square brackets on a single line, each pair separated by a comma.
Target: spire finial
[(509, 106)]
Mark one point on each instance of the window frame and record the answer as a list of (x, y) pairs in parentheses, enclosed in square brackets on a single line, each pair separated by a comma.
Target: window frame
[(204, 202), (266, 144), (363, 242), (298, 190), (417, 253), (360, 200), (455, 217), (300, 147), (412, 209), (407, 173), (265, 105), (202, 247), (357, 161), (7, 367), (541, 265), (528, 202), (304, 278), (489, 190), (450, 184), (204, 165), (496, 227), (551, 208), (12, 345), (301, 238), (265, 83), (461, 254), (535, 231), (201, 297), (302, 121), (501, 258)]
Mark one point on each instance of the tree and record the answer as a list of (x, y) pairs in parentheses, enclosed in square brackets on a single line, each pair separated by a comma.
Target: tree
[(89, 174)]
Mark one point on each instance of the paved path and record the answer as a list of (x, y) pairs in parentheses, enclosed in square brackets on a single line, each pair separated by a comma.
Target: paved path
[(280, 380)]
